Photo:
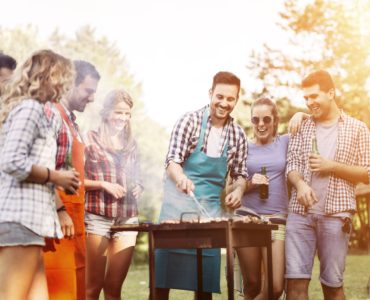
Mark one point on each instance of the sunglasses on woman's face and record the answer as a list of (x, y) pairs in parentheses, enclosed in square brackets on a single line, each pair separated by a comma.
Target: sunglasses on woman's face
[(265, 120)]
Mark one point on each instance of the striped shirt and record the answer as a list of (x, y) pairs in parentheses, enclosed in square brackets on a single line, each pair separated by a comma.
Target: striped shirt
[(185, 135), (28, 138), (102, 164), (353, 149)]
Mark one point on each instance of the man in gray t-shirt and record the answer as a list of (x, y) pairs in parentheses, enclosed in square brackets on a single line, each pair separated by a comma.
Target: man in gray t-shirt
[(326, 136), (323, 194)]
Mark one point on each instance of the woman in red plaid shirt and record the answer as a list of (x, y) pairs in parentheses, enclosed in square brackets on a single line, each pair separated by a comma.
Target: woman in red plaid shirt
[(112, 188)]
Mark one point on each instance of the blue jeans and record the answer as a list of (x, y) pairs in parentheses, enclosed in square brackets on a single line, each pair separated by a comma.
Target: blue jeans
[(307, 233)]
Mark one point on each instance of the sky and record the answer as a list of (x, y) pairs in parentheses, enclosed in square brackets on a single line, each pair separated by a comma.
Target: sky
[(173, 47)]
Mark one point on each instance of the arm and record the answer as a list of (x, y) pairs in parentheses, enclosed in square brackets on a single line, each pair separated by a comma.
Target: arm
[(91, 166), (66, 179), (233, 199), (238, 172), (115, 189), (229, 185), (178, 148), (177, 175), (354, 174), (23, 130), (91, 185), (294, 171), (305, 195), (296, 122), (65, 220)]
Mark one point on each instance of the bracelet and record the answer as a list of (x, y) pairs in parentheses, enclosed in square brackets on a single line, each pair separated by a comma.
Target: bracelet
[(48, 177), (62, 208)]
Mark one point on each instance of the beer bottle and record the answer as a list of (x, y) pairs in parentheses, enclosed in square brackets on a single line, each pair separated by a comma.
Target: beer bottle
[(264, 188), (68, 162), (68, 166), (314, 149)]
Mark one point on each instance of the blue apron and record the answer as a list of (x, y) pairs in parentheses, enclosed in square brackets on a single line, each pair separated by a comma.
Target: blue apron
[(177, 268)]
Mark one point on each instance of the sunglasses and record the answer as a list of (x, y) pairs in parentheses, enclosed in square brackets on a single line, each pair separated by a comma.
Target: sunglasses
[(265, 120)]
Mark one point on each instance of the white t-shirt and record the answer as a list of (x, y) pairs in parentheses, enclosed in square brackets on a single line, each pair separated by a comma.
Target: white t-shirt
[(213, 143)]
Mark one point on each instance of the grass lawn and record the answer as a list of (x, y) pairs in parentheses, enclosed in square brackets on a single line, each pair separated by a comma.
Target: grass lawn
[(356, 278)]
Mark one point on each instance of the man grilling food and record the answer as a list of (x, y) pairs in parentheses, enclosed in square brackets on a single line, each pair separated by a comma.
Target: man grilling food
[(205, 146)]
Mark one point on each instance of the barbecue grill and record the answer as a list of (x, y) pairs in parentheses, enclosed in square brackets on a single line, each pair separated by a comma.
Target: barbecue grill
[(227, 234)]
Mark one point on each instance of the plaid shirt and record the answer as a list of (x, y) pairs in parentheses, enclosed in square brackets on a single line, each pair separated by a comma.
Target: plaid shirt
[(353, 148), (103, 164), (185, 135), (64, 138), (28, 138)]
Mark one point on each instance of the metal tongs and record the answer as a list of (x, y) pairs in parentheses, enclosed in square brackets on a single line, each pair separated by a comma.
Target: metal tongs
[(201, 208)]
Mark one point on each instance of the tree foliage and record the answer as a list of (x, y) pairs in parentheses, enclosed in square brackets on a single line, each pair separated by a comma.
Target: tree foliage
[(321, 34)]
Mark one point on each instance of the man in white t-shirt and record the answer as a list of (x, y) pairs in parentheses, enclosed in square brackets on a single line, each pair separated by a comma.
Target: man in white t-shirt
[(205, 145)]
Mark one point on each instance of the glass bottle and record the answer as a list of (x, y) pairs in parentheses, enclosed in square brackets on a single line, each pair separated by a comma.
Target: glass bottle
[(68, 166), (264, 188), (314, 149)]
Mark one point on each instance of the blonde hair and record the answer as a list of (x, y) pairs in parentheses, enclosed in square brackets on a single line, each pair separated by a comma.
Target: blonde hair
[(45, 76), (111, 100)]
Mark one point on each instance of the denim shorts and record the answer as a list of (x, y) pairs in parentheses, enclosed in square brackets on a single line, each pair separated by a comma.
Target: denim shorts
[(101, 225), (15, 234), (307, 233)]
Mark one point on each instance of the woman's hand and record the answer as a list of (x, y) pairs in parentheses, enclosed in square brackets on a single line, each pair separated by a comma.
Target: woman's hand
[(68, 180), (66, 224), (116, 190), (296, 122), (258, 179)]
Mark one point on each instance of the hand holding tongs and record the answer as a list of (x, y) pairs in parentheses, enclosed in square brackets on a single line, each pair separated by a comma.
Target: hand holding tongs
[(201, 208)]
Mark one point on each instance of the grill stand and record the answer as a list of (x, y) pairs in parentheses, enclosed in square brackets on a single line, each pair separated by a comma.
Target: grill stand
[(206, 235)]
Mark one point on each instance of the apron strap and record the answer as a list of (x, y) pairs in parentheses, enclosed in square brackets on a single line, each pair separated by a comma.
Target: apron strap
[(72, 128), (202, 130)]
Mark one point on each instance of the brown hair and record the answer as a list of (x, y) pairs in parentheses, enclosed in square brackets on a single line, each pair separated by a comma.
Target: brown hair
[(320, 77), (225, 78)]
